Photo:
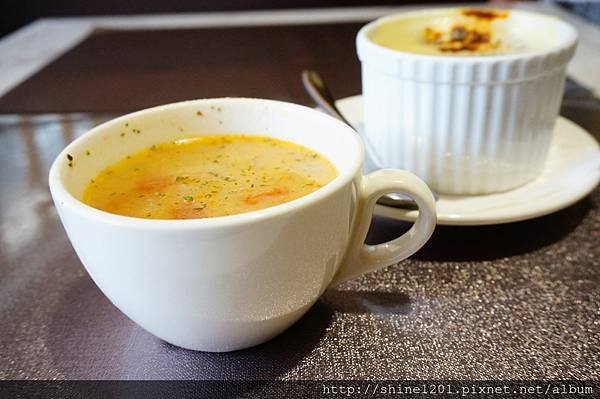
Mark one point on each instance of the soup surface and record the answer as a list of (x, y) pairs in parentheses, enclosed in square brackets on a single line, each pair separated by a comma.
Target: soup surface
[(460, 32), (208, 176)]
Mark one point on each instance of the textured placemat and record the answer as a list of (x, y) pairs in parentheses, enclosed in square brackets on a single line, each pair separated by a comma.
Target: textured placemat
[(515, 301)]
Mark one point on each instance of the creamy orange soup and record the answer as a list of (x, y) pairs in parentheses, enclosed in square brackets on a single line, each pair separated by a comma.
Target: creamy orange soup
[(208, 176)]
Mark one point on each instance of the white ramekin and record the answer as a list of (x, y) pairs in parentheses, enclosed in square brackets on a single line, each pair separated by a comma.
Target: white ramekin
[(464, 124)]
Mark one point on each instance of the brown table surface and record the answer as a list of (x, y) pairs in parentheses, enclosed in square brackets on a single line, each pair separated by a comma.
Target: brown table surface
[(514, 301)]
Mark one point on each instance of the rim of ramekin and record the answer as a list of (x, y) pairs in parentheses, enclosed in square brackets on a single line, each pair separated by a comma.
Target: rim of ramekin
[(362, 40), (62, 195)]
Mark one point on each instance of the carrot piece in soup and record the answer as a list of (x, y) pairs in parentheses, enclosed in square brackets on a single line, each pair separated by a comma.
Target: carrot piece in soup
[(256, 198), (153, 184), (187, 211)]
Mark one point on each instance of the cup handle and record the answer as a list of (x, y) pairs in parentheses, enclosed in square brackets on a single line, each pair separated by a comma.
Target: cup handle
[(362, 258)]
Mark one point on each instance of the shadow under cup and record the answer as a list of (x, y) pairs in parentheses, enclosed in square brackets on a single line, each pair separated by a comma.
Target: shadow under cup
[(470, 124), (223, 283)]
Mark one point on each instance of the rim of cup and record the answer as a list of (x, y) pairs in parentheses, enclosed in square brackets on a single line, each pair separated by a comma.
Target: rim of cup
[(61, 194), (568, 33)]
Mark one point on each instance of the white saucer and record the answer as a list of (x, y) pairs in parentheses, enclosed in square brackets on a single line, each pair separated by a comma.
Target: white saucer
[(572, 171)]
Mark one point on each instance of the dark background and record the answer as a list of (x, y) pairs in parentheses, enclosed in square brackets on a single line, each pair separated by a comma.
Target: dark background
[(16, 13)]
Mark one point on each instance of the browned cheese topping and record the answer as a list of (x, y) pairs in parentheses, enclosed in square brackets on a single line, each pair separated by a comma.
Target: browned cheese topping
[(475, 34)]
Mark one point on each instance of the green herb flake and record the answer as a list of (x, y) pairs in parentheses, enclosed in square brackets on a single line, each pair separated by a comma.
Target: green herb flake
[(199, 113), (87, 152), (122, 134), (153, 147), (181, 178), (188, 198)]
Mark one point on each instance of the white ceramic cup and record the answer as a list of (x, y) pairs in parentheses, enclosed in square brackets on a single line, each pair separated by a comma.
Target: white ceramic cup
[(226, 283), (465, 124)]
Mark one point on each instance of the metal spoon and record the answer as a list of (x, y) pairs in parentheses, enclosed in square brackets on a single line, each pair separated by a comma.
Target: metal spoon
[(320, 94)]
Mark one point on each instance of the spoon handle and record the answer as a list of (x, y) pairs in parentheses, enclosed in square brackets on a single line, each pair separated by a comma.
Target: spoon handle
[(321, 95)]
